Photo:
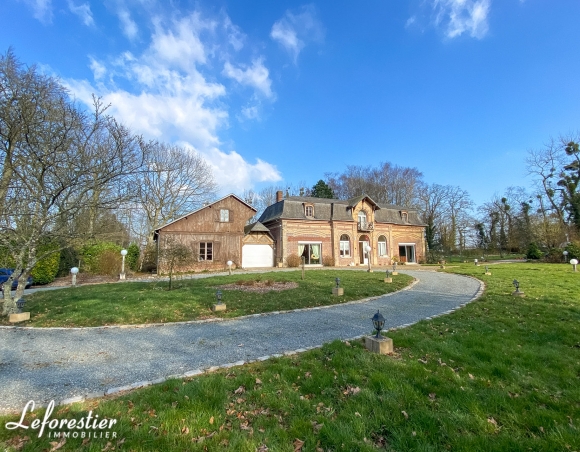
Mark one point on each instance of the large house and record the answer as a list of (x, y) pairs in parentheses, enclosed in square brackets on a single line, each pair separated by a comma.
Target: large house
[(338, 231), (323, 231)]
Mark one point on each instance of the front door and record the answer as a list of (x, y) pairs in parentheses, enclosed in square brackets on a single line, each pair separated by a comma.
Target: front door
[(363, 241)]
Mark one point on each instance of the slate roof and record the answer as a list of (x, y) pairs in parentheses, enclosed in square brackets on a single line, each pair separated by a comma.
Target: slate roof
[(255, 227), (335, 209)]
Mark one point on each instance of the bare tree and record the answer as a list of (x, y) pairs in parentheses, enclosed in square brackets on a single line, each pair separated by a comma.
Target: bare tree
[(387, 183), (55, 158), (176, 182)]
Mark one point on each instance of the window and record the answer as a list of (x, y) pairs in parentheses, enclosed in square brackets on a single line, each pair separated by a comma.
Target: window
[(382, 246), (362, 218), (405, 217), (309, 211), (224, 215), (311, 252), (206, 251), (344, 246)]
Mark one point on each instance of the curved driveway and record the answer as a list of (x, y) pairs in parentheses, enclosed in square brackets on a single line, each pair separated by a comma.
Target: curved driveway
[(57, 364)]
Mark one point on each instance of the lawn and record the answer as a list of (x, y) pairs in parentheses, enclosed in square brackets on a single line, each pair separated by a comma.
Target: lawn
[(192, 299), (501, 374)]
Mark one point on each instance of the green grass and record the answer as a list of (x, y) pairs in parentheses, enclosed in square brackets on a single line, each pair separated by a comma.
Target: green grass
[(501, 374), (136, 303)]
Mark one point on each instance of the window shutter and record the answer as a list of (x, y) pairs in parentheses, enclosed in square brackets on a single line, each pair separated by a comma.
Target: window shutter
[(216, 251), (195, 251)]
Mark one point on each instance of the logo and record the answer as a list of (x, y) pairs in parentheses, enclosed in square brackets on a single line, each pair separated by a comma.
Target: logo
[(86, 427)]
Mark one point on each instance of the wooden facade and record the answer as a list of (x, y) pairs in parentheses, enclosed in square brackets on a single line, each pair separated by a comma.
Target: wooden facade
[(213, 233)]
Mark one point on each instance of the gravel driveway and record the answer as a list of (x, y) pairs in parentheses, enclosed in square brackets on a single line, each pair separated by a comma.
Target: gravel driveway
[(44, 364)]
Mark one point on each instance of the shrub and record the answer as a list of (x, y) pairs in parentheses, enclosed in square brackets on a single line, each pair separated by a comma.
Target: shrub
[(109, 263), (132, 258), (293, 260), (554, 256), (149, 263), (91, 255), (534, 251), (573, 251), (328, 261), (46, 268)]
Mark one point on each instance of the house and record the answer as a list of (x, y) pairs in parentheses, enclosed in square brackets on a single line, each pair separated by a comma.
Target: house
[(217, 233), (336, 232), (324, 231)]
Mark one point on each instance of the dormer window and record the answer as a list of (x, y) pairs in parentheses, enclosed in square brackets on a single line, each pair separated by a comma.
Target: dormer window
[(309, 210), (404, 216)]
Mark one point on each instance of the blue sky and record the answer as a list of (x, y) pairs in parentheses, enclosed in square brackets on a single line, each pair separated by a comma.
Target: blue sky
[(283, 92)]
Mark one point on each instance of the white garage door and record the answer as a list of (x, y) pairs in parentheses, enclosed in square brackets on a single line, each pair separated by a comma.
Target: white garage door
[(257, 256)]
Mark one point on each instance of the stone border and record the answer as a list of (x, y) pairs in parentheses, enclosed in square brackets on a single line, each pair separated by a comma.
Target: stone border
[(215, 319), (192, 373)]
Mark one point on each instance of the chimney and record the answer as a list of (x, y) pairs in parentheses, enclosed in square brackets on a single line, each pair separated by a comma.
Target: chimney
[(279, 196)]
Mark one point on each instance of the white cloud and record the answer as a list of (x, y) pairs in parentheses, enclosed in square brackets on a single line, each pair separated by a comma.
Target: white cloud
[(41, 10), (256, 76), (410, 21), (128, 26), (462, 16), (83, 11), (99, 70), (173, 96), (235, 36), (251, 112), (294, 31)]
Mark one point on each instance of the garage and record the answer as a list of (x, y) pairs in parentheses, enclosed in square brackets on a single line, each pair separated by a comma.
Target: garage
[(257, 255)]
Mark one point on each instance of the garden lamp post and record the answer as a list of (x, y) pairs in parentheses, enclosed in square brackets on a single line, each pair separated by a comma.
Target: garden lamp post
[(388, 278), (20, 305), (378, 323), (518, 292), (230, 263), (565, 253), (337, 291), (123, 253), (368, 250), (74, 272), (574, 262), (219, 306)]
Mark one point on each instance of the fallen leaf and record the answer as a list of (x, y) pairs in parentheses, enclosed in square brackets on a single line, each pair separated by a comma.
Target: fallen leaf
[(405, 414), (471, 377), (424, 361), (492, 421), (432, 396), (258, 381), (298, 445), (57, 445), (357, 414), (185, 431), (240, 390), (262, 448), (211, 420)]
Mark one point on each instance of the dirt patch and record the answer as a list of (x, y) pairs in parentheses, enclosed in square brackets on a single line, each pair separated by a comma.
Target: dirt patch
[(260, 286)]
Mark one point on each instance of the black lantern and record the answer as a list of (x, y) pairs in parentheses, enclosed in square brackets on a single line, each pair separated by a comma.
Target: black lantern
[(337, 281), (516, 285), (218, 296), (378, 323), (388, 274), (20, 304)]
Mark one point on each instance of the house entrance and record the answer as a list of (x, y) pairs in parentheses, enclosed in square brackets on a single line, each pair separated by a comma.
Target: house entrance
[(311, 252), (407, 252), (363, 241)]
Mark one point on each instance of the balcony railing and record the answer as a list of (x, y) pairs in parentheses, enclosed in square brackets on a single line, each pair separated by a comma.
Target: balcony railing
[(364, 226)]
